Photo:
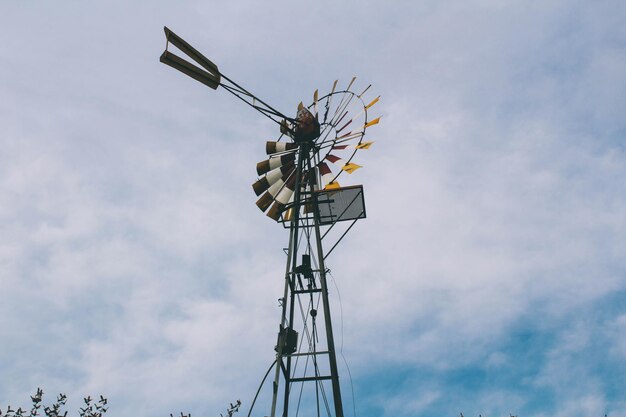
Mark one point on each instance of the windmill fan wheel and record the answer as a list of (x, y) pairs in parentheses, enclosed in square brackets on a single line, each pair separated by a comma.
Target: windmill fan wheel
[(327, 134)]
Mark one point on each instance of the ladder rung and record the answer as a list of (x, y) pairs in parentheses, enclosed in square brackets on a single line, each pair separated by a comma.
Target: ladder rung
[(307, 291), (323, 352), (312, 270), (309, 378)]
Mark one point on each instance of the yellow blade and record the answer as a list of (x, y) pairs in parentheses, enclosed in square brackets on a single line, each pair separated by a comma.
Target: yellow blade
[(372, 123), (351, 167), (315, 96), (288, 214), (332, 185), (364, 145), (334, 86), (373, 102), (300, 106)]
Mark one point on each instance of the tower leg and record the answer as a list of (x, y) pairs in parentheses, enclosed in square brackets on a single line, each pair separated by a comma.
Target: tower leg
[(330, 340), (294, 359)]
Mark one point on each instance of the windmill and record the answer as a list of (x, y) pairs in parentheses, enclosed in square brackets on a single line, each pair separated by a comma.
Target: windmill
[(298, 188)]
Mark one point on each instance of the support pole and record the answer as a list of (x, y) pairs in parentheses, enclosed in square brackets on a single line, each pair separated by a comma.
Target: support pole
[(332, 358)]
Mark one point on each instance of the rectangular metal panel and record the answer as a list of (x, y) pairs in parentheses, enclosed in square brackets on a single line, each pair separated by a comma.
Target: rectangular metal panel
[(340, 204)]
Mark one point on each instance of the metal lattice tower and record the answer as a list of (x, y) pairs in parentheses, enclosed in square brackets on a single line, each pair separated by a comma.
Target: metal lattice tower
[(299, 190)]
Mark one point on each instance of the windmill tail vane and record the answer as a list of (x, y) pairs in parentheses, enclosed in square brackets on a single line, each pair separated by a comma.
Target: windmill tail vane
[(297, 186), (209, 75)]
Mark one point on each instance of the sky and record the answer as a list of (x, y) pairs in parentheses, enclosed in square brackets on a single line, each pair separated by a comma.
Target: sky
[(489, 277)]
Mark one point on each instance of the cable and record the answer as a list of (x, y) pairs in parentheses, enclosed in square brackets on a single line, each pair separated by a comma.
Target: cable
[(260, 386), (341, 345)]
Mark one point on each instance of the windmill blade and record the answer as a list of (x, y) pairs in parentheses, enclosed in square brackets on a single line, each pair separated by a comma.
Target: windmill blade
[(278, 185), (350, 135), (334, 159), (340, 119), (360, 132), (342, 107), (362, 145), (333, 124), (272, 177), (272, 147), (347, 137), (282, 199), (210, 76), (274, 162), (268, 196), (360, 113), (325, 173), (288, 214), (349, 167), (345, 105), (372, 102), (275, 211), (351, 82), (344, 126), (278, 173), (265, 201), (286, 181), (373, 122)]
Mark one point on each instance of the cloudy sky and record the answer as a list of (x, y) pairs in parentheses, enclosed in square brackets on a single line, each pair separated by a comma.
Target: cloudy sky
[(489, 277)]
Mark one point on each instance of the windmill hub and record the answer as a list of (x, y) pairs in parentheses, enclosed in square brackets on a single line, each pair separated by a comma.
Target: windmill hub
[(307, 127)]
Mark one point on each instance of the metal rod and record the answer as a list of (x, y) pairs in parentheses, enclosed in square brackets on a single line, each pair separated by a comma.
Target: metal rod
[(258, 99), (293, 239), (344, 233), (291, 266), (342, 213), (332, 359)]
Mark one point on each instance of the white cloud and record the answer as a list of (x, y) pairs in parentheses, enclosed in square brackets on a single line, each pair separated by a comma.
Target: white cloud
[(494, 192)]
